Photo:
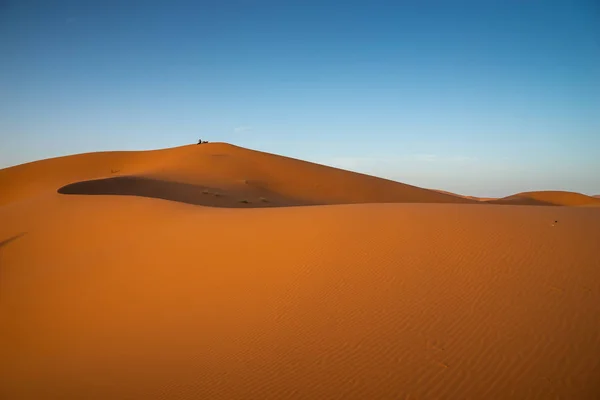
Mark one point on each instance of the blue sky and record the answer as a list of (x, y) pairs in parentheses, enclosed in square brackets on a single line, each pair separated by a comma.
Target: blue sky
[(481, 97)]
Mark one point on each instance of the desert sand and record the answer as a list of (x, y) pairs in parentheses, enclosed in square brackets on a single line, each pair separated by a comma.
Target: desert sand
[(199, 272)]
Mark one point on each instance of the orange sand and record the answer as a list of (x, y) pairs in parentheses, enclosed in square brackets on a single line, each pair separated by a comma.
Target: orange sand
[(135, 297)]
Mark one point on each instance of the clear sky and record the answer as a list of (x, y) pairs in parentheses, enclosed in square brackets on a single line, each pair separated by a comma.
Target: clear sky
[(480, 97)]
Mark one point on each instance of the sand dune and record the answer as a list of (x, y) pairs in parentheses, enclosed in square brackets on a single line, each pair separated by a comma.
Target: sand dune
[(231, 176), (548, 198), (129, 296)]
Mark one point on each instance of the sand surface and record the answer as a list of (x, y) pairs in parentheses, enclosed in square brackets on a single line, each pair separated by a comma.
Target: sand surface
[(156, 290)]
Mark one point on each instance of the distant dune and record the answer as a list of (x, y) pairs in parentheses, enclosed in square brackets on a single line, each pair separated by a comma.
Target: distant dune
[(548, 198), (155, 275)]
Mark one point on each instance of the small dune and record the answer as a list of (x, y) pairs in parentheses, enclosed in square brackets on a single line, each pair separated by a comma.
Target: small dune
[(548, 198)]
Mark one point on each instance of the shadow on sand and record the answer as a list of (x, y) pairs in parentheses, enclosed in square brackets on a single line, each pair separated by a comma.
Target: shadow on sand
[(173, 191), (520, 201)]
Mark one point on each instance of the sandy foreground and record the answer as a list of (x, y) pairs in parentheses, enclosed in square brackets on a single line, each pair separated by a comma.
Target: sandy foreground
[(195, 272)]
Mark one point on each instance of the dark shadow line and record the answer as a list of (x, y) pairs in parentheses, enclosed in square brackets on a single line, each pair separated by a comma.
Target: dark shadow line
[(12, 239), (521, 201)]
